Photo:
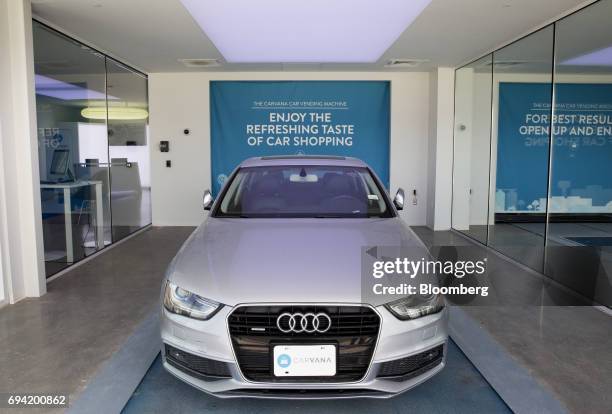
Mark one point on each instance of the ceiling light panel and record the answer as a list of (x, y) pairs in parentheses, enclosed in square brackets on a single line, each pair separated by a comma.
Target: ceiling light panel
[(601, 57), (304, 31), (66, 91)]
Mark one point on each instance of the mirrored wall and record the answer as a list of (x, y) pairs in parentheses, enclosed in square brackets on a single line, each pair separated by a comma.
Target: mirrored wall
[(472, 148), (92, 115), (533, 125), (522, 78)]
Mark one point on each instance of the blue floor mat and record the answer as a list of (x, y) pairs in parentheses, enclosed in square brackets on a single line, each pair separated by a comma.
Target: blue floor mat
[(459, 388)]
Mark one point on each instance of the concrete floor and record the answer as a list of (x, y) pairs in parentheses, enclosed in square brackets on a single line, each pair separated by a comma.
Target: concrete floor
[(56, 343), (568, 349), (459, 388)]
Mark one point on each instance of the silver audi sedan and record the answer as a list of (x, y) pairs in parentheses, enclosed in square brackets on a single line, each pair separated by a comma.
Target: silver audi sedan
[(264, 299)]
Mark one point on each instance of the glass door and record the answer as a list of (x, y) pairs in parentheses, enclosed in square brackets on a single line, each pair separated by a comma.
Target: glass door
[(73, 148), (128, 140)]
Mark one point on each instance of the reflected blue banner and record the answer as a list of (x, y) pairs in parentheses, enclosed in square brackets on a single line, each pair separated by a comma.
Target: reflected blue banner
[(582, 153)]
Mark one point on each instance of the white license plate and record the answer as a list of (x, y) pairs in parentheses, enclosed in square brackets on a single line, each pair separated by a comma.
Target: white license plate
[(304, 360)]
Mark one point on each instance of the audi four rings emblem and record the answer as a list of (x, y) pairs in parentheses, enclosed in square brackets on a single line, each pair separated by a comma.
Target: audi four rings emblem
[(303, 322)]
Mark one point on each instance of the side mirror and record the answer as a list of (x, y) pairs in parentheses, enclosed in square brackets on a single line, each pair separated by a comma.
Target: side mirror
[(398, 200), (207, 200)]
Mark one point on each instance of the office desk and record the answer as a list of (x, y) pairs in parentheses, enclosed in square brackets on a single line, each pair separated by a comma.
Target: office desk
[(99, 218)]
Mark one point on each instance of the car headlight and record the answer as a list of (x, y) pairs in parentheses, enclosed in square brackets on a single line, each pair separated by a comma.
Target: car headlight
[(183, 302), (416, 306)]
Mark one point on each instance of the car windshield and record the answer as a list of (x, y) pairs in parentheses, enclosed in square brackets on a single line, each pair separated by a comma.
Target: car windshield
[(303, 191)]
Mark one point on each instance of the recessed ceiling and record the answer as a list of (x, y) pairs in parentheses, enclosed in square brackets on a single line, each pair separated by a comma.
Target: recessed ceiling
[(154, 35), (313, 31)]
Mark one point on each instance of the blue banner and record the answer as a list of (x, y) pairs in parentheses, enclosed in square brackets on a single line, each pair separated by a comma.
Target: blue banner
[(260, 118), (581, 155)]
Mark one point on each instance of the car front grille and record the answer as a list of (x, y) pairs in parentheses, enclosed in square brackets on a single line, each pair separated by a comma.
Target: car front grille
[(412, 366), (253, 330)]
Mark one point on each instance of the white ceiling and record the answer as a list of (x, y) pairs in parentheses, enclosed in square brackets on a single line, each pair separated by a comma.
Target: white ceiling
[(153, 35)]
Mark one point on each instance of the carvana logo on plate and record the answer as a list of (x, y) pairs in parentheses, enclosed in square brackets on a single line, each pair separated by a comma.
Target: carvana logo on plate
[(283, 360)]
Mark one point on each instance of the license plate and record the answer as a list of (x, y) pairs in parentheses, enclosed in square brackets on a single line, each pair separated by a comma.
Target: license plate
[(304, 360)]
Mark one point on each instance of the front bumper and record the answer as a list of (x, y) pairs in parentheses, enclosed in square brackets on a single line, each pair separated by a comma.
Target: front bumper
[(397, 339)]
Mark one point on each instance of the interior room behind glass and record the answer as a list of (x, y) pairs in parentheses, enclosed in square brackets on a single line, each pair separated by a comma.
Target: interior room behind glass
[(93, 161)]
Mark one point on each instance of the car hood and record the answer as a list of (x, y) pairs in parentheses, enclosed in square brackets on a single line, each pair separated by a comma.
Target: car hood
[(236, 260)]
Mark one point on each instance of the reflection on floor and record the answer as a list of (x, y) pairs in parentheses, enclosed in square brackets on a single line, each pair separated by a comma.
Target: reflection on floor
[(459, 388), (532, 234), (571, 247), (566, 348), (476, 232)]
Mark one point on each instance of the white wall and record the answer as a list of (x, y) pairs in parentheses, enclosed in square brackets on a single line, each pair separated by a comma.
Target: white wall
[(464, 82), (480, 149), (20, 217), (471, 149), (3, 300), (431, 149), (4, 263), (440, 153), (181, 100)]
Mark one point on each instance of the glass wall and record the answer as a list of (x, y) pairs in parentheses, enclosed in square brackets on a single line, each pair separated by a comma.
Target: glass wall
[(579, 238), (77, 145), (472, 147), (550, 140), (128, 149), (522, 76)]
